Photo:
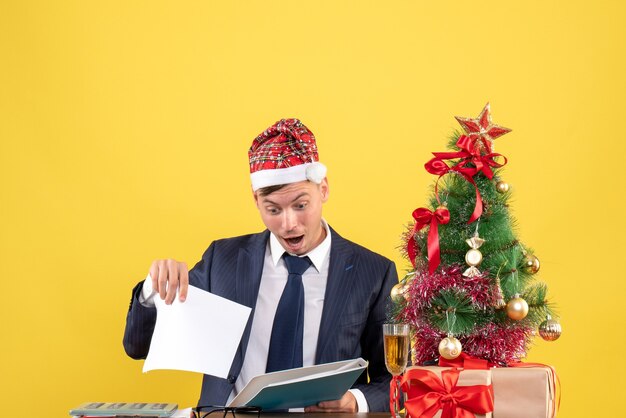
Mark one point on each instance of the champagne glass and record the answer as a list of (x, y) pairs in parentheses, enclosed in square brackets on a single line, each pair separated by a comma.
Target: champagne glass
[(396, 342)]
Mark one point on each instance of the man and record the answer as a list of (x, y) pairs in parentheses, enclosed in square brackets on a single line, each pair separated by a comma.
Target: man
[(316, 297)]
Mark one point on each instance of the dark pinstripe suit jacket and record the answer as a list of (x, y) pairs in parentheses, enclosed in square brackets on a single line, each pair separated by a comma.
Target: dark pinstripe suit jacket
[(359, 283)]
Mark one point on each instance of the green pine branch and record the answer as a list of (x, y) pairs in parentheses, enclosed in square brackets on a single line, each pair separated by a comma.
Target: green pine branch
[(452, 312)]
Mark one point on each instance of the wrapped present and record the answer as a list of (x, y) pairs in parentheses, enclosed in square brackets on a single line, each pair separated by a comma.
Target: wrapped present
[(522, 390), (433, 392)]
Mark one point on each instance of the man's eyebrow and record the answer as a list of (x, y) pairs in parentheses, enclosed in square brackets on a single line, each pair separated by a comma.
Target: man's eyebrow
[(266, 200)]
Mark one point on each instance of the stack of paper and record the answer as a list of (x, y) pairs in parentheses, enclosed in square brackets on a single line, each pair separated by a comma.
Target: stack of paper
[(106, 409)]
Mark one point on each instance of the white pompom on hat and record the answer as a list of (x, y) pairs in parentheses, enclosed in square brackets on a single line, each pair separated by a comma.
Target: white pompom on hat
[(285, 153)]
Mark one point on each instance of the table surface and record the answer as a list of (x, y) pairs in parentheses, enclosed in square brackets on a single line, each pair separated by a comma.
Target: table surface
[(313, 415), (326, 415)]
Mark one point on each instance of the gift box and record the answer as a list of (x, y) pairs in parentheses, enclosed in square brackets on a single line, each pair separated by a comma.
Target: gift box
[(524, 392), (432, 390), (520, 391)]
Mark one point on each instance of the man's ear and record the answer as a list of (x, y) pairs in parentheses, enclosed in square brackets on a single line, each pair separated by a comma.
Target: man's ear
[(324, 189), (255, 196)]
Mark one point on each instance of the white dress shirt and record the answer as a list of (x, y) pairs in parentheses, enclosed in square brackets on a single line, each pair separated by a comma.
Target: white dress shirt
[(273, 281)]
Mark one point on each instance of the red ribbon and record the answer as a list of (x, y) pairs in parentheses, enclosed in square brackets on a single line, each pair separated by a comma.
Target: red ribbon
[(422, 218), (465, 361), (394, 386), (471, 163), (428, 394)]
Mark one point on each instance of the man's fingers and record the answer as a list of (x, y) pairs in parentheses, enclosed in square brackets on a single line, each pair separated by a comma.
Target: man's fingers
[(184, 281), (318, 409), (347, 403), (154, 275), (328, 406), (172, 282), (162, 281), (168, 276)]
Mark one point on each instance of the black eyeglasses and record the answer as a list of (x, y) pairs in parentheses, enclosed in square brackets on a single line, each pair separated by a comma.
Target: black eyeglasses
[(206, 410)]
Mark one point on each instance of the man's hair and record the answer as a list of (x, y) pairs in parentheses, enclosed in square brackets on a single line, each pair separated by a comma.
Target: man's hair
[(266, 191)]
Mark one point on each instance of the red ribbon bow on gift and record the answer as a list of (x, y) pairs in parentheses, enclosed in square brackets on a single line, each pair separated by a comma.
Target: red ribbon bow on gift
[(472, 162), (422, 218), (465, 361), (427, 394)]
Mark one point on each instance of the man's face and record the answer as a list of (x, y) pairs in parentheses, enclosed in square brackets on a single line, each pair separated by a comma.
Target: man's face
[(294, 215)]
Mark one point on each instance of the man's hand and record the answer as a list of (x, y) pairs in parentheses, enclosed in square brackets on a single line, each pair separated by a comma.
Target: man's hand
[(167, 276), (347, 403)]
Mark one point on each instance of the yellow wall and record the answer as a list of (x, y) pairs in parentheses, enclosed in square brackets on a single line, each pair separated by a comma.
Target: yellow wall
[(124, 128)]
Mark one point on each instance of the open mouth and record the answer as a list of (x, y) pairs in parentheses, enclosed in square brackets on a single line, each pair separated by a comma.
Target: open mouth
[(294, 241)]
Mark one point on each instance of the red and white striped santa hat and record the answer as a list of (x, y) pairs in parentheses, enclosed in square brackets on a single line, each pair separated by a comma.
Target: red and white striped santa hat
[(285, 153)]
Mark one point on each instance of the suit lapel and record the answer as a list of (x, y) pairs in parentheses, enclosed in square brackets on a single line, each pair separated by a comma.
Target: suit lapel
[(248, 279), (249, 270), (340, 280)]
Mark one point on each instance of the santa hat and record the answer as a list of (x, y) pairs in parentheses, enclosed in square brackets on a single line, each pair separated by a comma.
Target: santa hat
[(285, 153)]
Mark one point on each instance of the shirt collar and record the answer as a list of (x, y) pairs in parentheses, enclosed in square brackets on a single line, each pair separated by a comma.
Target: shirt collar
[(317, 255)]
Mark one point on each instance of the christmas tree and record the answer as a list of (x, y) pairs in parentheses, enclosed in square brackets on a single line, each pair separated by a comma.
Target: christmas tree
[(473, 286)]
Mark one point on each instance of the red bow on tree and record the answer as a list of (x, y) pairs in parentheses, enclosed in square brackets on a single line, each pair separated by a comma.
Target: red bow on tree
[(427, 394), (471, 163), (422, 218)]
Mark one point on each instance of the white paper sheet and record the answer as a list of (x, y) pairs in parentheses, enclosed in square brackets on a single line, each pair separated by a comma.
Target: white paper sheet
[(199, 335)]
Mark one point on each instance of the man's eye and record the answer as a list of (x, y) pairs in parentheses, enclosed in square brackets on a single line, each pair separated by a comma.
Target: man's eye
[(301, 206), (272, 211)]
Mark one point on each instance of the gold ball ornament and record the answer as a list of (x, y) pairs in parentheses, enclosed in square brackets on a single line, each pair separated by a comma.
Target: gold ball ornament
[(398, 292), (550, 329), (517, 308), (531, 264), (450, 348), (502, 186)]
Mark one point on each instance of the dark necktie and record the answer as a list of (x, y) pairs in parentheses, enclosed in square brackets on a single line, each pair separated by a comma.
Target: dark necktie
[(285, 350)]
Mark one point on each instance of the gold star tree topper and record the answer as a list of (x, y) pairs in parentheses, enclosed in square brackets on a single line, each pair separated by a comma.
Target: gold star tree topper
[(482, 129)]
